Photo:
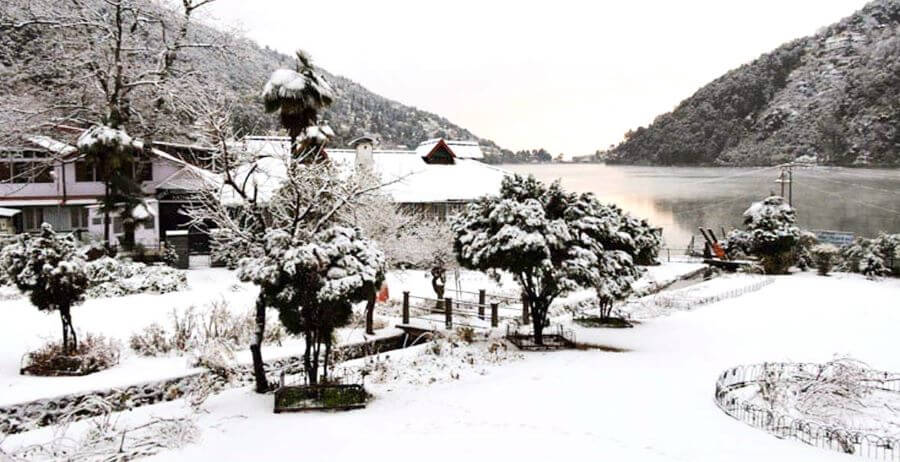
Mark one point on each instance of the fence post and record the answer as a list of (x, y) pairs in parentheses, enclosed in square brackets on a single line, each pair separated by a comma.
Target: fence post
[(495, 315), (481, 296), (526, 310), (668, 255), (406, 307), (448, 313)]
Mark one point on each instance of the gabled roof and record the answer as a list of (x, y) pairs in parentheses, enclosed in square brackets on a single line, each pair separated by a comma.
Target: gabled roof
[(460, 149), (363, 139)]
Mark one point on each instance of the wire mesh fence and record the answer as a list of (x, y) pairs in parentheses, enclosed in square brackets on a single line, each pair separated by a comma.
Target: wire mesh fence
[(688, 299), (848, 441)]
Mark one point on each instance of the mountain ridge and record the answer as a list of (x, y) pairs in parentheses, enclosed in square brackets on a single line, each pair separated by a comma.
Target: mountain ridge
[(833, 96)]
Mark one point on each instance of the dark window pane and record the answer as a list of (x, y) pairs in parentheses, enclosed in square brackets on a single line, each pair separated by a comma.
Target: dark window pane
[(42, 172), (84, 171), (5, 170)]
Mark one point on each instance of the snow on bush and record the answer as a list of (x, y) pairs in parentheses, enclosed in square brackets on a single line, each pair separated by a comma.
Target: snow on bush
[(94, 353), (442, 360), (105, 439), (824, 257), (50, 271), (842, 393), (770, 234), (193, 331), (871, 257), (112, 277)]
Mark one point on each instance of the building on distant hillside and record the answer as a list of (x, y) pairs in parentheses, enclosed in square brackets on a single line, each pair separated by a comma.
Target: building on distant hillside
[(47, 181), (436, 179)]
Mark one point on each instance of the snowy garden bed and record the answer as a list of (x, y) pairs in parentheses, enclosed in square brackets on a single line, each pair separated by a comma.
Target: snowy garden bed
[(841, 405), (691, 297)]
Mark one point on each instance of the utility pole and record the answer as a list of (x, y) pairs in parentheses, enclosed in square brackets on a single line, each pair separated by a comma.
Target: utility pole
[(789, 180)]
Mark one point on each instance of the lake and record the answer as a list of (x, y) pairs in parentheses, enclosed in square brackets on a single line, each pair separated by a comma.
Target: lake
[(679, 199)]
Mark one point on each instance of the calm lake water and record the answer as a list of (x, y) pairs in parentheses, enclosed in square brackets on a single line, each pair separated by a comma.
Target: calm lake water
[(680, 199)]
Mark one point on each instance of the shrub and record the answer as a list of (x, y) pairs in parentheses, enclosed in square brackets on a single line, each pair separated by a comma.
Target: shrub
[(194, 331), (94, 353), (871, 257), (803, 251), (112, 277), (770, 235), (170, 256), (824, 256)]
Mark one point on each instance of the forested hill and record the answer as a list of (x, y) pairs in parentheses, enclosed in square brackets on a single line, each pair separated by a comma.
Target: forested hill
[(834, 95), (242, 68)]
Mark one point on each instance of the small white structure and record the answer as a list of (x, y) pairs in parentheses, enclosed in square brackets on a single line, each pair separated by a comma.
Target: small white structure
[(436, 179)]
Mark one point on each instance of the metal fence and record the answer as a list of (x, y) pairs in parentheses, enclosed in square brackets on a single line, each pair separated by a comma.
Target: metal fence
[(844, 440), (686, 300)]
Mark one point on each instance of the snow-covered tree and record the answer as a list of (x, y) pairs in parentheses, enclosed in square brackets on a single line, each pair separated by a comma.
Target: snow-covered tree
[(298, 96), (49, 269), (549, 240), (313, 280), (264, 203), (770, 234)]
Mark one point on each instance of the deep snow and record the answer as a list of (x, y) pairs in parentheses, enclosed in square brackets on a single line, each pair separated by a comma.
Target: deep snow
[(653, 402)]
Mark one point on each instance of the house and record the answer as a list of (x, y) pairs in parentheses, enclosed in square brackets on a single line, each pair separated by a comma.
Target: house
[(436, 179), (47, 181)]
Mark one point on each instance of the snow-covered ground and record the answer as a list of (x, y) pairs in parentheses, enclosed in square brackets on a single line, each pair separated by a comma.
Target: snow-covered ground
[(652, 402), (24, 328)]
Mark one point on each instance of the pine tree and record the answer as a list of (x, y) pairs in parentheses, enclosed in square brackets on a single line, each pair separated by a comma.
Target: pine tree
[(50, 271)]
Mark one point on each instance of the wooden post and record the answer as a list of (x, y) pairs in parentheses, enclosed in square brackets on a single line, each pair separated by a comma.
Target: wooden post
[(526, 310), (448, 312), (495, 315), (406, 307), (481, 296)]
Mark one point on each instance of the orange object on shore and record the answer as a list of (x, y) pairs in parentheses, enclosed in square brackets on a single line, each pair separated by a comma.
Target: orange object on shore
[(718, 251), (383, 294)]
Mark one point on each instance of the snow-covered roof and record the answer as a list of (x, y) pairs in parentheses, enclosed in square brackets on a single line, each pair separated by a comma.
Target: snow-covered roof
[(411, 179), (461, 149), (8, 213)]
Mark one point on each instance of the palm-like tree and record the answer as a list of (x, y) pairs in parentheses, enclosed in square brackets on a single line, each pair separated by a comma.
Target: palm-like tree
[(298, 96)]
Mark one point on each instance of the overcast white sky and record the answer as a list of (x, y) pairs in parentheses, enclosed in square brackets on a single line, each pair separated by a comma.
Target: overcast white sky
[(570, 76)]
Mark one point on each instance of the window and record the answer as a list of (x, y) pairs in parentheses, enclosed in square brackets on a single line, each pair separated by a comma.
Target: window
[(117, 225), (32, 218), (5, 170), (42, 172), (84, 171), (78, 217)]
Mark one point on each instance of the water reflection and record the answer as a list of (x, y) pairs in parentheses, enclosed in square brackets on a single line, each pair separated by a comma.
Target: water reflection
[(680, 199)]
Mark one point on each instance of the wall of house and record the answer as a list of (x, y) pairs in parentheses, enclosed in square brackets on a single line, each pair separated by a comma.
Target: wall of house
[(145, 233), (78, 189)]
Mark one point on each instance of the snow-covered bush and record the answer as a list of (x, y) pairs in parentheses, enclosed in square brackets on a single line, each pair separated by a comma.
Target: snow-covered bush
[(49, 269), (803, 250), (113, 277), (871, 257), (194, 330), (551, 241), (770, 234), (313, 282), (94, 353), (442, 360), (824, 257)]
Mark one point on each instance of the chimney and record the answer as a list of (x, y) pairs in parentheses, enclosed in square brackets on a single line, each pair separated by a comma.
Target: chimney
[(364, 146)]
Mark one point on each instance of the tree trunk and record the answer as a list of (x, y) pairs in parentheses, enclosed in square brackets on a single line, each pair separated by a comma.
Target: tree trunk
[(370, 312), (538, 313), (106, 222), (69, 346), (259, 371), (65, 332), (307, 361), (327, 360)]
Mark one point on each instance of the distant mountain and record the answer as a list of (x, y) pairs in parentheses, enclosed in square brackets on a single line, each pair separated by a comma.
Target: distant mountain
[(244, 68), (834, 95)]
